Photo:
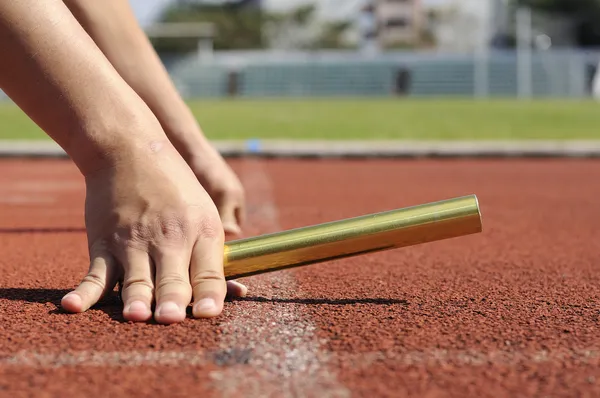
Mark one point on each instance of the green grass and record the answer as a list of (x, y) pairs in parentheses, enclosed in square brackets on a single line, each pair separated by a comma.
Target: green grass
[(422, 119)]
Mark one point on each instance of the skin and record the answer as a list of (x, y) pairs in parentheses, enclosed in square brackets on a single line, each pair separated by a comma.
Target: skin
[(149, 221), (113, 27)]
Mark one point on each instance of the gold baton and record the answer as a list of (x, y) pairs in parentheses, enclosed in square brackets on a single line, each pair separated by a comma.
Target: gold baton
[(352, 237)]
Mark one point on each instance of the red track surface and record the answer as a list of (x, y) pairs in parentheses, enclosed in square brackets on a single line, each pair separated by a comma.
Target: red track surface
[(510, 312)]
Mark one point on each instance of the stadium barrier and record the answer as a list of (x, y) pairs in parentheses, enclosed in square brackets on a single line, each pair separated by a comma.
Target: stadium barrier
[(552, 73)]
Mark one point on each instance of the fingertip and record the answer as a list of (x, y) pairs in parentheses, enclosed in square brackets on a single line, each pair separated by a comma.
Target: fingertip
[(72, 302), (137, 311), (207, 307), (240, 216), (232, 229), (169, 312), (236, 289)]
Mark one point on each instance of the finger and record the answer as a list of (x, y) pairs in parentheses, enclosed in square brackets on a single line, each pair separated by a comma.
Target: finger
[(100, 279), (230, 223), (240, 209), (232, 230), (240, 214), (138, 287), (173, 290), (228, 210), (236, 289), (207, 277)]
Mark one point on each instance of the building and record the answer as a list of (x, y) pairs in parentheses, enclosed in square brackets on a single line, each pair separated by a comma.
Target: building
[(464, 25), (393, 23)]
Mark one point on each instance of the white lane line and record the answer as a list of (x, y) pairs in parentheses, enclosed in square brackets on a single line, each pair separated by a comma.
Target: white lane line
[(429, 358), (105, 359), (284, 351), (433, 358)]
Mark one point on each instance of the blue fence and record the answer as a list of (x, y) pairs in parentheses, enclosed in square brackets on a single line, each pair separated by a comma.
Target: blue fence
[(296, 74), (553, 74)]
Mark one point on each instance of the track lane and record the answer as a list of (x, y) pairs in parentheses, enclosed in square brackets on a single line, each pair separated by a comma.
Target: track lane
[(510, 312), (524, 290)]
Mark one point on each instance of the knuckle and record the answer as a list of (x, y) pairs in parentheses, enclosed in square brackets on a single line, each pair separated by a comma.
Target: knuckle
[(94, 279), (207, 275), (232, 192), (139, 231), (210, 227), (238, 191), (172, 228), (134, 236), (172, 279), (98, 247), (142, 234), (134, 282)]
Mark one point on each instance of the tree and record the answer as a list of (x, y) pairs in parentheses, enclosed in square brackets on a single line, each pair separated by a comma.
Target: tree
[(237, 26), (240, 25), (584, 13), (301, 28)]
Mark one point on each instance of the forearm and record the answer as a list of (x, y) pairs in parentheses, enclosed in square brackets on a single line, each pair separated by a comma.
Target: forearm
[(56, 74), (112, 25)]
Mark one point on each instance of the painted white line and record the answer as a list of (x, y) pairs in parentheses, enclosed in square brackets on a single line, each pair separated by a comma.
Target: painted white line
[(284, 351), (369, 148), (105, 359), (356, 361), (439, 358)]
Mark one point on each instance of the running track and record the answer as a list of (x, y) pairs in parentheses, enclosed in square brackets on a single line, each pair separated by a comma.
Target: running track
[(511, 312)]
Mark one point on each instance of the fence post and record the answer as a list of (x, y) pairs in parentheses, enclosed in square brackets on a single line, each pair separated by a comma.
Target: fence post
[(482, 74), (524, 50)]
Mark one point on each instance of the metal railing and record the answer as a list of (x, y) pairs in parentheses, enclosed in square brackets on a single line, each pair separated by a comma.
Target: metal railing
[(555, 73)]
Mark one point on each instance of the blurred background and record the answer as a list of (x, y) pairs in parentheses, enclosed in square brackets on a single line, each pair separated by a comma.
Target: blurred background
[(362, 68), (378, 47)]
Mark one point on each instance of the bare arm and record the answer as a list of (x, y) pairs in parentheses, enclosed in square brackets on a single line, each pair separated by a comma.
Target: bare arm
[(64, 83), (149, 222), (113, 27)]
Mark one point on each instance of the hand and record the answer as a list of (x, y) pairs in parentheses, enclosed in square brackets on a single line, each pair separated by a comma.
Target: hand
[(222, 185), (153, 226)]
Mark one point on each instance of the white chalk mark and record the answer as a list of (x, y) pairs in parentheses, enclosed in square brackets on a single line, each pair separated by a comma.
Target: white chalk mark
[(426, 358), (285, 352)]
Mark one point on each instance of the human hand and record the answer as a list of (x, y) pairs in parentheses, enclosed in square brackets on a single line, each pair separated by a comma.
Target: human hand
[(222, 184), (153, 226)]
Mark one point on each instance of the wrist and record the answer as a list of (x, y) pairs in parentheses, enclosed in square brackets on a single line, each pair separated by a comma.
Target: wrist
[(190, 142), (112, 141)]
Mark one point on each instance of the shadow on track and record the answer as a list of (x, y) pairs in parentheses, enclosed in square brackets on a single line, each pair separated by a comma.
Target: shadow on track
[(110, 305)]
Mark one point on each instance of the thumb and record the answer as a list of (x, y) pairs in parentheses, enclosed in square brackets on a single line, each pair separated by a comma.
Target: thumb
[(229, 211), (100, 279)]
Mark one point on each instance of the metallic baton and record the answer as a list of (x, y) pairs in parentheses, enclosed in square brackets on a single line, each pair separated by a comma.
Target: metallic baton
[(351, 237)]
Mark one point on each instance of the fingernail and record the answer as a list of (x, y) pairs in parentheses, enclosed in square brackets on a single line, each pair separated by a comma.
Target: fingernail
[(243, 288), (206, 304), (73, 297), (136, 306), (168, 308), (72, 302), (232, 228)]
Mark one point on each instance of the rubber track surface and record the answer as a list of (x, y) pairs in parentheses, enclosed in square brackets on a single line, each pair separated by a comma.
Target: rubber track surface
[(511, 312)]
